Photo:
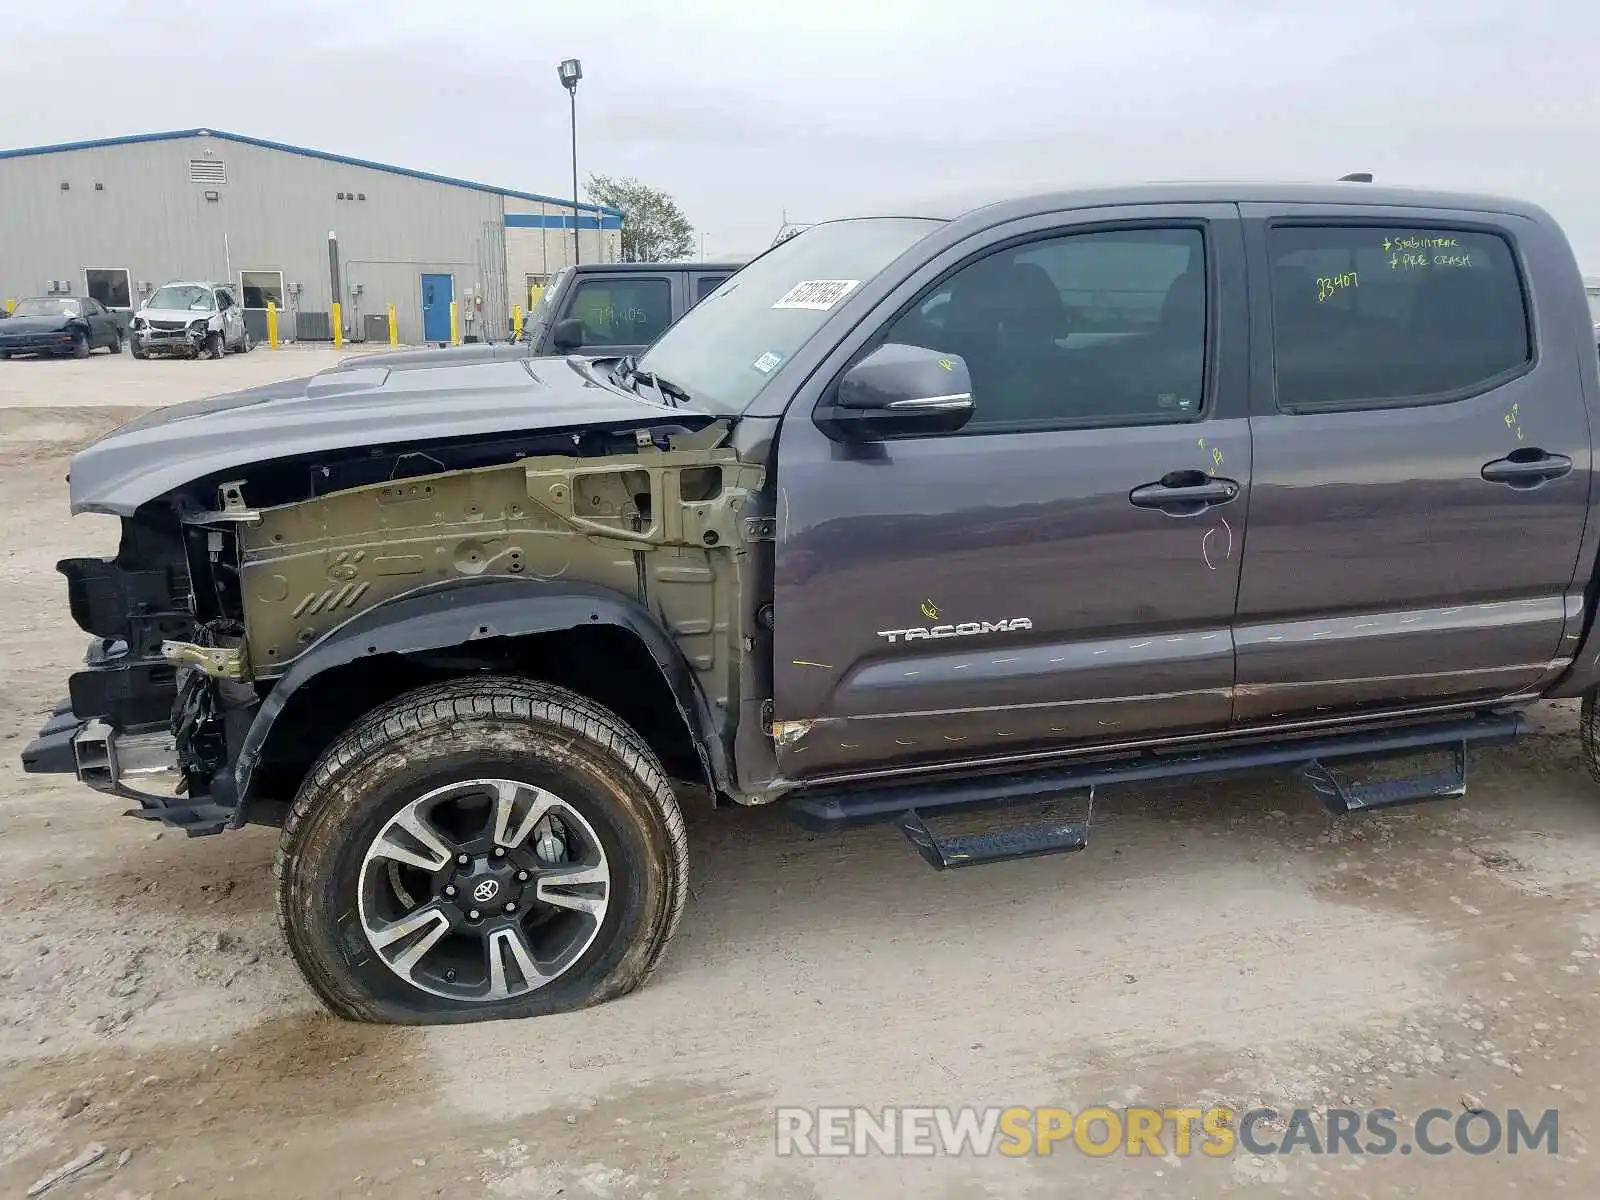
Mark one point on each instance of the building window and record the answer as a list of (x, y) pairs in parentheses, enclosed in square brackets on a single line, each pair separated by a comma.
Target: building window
[(207, 170), (1381, 314), (109, 285), (261, 287)]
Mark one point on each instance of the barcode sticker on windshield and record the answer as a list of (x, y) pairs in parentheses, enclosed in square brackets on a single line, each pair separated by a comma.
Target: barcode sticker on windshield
[(817, 294)]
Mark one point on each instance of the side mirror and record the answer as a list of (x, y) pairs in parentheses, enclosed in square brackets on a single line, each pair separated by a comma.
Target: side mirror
[(567, 335), (899, 390)]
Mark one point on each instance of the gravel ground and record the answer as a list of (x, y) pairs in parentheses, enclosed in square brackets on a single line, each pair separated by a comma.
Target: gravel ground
[(1222, 943)]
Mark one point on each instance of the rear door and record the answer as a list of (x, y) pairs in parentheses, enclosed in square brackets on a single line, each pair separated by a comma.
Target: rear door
[(1422, 461), (1036, 581)]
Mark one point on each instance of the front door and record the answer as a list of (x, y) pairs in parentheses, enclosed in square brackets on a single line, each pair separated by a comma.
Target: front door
[(1422, 461), (1063, 571), (437, 293), (232, 317)]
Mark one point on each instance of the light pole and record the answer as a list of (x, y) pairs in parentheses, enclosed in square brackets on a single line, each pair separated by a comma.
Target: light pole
[(570, 71)]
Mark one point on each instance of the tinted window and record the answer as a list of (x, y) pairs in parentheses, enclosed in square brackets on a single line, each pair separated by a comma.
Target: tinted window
[(1090, 328), (91, 307), (224, 299), (622, 312), (707, 284), (1368, 314)]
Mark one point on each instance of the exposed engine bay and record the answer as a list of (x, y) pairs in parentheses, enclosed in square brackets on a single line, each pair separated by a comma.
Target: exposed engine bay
[(218, 588)]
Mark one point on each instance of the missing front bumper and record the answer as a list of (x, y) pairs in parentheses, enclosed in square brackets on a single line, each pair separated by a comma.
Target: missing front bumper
[(142, 767)]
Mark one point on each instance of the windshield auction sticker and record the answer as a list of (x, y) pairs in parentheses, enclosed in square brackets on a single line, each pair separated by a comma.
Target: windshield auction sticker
[(817, 294)]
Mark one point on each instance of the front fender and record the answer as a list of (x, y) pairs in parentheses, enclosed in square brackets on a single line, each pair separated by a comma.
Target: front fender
[(458, 613)]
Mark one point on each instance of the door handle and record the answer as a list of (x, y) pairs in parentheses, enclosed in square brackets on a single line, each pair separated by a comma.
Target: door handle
[(1184, 493), (1526, 469)]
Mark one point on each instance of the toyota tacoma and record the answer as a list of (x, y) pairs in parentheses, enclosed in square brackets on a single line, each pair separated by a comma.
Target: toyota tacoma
[(910, 517)]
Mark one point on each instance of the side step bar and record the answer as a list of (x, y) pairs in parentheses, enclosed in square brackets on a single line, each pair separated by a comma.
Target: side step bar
[(908, 803)]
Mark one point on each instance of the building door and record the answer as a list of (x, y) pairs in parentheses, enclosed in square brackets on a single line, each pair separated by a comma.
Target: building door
[(258, 289), (437, 293)]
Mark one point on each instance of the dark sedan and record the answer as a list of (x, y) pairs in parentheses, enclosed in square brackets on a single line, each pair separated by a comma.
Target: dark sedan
[(60, 325)]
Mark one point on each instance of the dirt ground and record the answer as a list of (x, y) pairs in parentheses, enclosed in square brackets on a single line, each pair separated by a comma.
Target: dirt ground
[(1215, 944)]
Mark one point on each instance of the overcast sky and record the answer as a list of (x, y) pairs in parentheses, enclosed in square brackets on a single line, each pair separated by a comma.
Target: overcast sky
[(745, 108)]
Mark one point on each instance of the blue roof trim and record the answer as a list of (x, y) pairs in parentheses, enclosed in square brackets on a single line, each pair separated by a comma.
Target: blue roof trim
[(344, 159), (558, 221)]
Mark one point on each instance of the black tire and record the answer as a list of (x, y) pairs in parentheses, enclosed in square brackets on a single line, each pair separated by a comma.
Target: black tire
[(4, 355), (80, 345), (214, 345), (470, 729), (246, 344), (116, 342), (138, 351), (1589, 735)]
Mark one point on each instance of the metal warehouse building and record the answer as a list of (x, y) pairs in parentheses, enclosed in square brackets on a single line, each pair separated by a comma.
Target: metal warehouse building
[(300, 228)]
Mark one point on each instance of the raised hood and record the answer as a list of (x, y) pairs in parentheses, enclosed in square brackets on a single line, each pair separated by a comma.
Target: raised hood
[(341, 409)]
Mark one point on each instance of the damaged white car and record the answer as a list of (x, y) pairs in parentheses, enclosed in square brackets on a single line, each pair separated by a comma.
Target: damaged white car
[(191, 320)]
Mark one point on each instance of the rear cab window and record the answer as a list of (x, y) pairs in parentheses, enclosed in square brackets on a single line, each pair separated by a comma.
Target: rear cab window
[(1375, 315)]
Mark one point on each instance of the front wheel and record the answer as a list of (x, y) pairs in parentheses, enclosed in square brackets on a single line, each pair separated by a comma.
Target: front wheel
[(214, 345), (479, 850), (80, 345)]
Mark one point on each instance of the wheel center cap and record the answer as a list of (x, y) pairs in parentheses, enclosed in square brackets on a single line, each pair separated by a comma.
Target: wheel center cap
[(486, 884)]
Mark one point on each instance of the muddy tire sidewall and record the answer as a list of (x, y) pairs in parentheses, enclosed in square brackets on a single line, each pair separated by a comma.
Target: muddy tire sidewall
[(348, 799)]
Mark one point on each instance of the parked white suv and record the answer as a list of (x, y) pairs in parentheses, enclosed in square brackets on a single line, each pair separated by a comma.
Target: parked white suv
[(193, 320)]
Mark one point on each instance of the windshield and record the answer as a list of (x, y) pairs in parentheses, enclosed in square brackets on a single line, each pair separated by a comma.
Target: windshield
[(184, 295), (46, 306), (724, 349)]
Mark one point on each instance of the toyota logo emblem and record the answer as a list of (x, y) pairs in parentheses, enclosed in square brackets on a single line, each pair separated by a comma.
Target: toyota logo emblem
[(485, 891)]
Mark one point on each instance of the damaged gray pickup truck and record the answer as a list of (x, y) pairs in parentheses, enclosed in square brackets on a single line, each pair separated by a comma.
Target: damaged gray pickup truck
[(911, 517)]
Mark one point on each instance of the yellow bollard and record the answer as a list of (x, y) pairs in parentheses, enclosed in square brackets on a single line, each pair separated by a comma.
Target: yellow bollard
[(272, 324), (338, 325), (394, 329), (516, 323), (455, 324), (11, 305)]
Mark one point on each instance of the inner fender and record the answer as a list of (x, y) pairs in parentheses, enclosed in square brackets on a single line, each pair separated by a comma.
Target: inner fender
[(458, 613)]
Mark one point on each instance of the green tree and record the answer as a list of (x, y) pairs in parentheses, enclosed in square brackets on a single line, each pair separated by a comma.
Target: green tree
[(654, 228)]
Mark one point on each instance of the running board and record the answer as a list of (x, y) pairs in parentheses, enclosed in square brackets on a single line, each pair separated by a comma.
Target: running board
[(1000, 845), (1340, 795), (910, 803)]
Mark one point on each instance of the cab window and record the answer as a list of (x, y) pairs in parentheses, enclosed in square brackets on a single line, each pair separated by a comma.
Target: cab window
[(1380, 315), (1096, 328), (622, 312)]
